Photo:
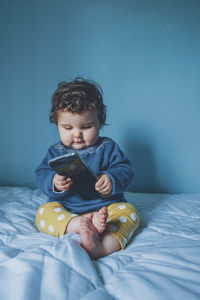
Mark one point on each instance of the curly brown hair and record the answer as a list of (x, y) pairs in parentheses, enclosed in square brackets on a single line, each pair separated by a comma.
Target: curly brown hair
[(77, 96)]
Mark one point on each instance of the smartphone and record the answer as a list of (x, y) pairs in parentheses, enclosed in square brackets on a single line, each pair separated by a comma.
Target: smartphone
[(73, 166)]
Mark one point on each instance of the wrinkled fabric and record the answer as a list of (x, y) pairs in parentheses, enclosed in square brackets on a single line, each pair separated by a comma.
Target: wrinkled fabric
[(161, 261)]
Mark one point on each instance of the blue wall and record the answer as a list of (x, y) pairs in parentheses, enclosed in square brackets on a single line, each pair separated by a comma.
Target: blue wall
[(146, 56)]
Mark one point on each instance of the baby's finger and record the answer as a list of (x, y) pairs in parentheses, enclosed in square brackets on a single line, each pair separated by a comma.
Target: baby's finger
[(64, 187), (60, 183), (68, 180), (100, 182), (60, 178), (65, 182), (101, 189), (67, 186), (105, 190)]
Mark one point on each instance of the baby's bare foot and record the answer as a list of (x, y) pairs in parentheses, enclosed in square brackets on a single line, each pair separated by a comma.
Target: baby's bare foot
[(90, 239), (99, 219)]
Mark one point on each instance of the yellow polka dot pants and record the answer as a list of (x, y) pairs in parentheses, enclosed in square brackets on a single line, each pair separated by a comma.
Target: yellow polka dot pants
[(52, 218)]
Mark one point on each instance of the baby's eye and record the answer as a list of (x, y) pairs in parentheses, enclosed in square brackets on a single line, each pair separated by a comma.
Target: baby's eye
[(68, 127), (87, 126)]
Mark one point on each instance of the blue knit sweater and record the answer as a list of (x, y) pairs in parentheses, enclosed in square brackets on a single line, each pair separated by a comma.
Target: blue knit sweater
[(105, 157)]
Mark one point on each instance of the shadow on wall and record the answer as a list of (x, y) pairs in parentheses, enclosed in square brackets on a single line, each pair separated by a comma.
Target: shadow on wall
[(139, 149)]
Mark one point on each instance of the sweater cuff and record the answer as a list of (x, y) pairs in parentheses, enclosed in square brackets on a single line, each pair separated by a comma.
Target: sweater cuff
[(56, 192)]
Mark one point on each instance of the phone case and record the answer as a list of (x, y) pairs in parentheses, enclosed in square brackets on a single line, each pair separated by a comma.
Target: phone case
[(72, 166)]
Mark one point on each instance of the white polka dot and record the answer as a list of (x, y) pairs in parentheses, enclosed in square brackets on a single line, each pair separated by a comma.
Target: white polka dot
[(124, 242), (60, 217), (123, 219), (74, 215), (41, 211), (57, 209), (42, 223), (122, 206), (130, 234), (113, 228), (51, 228), (133, 217)]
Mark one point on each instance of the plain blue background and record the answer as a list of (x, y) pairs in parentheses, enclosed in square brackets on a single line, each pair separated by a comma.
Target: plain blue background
[(146, 56)]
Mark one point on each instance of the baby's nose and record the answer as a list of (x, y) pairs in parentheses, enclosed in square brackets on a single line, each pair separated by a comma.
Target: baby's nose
[(77, 134)]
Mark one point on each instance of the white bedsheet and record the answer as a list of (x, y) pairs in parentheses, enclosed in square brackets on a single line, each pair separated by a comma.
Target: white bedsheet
[(161, 262)]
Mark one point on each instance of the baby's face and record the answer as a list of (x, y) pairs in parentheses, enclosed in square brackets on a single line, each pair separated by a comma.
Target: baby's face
[(78, 131)]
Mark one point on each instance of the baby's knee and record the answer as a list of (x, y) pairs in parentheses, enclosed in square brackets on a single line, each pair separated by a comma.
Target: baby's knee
[(123, 220), (52, 218), (124, 210)]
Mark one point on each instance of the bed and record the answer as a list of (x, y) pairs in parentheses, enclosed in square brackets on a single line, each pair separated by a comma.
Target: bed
[(162, 261)]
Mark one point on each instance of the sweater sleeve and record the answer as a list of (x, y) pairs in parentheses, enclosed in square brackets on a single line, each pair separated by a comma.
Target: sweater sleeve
[(120, 169), (44, 178)]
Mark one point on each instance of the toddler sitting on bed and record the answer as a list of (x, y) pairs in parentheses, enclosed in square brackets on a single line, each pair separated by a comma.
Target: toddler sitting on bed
[(103, 218)]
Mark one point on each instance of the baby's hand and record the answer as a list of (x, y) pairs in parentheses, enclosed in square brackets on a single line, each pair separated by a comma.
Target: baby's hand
[(104, 185), (61, 183)]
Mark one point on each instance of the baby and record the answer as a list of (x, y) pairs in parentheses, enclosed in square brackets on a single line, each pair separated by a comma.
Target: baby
[(103, 218)]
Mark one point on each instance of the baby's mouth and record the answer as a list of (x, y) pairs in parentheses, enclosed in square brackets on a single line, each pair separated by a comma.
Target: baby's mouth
[(78, 141)]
